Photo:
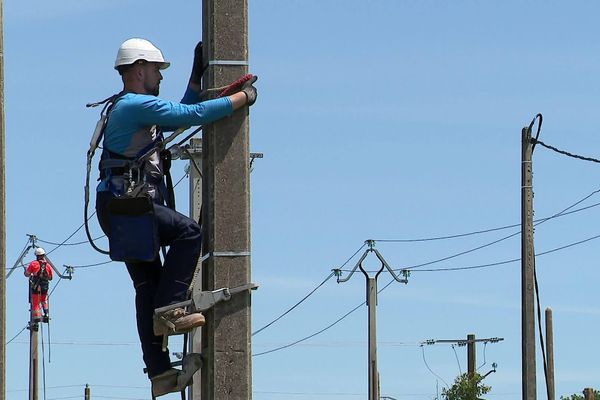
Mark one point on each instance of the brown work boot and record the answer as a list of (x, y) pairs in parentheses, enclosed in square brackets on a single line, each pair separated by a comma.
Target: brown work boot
[(165, 383), (177, 321)]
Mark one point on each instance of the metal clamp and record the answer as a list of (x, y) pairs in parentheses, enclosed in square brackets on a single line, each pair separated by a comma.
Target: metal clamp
[(224, 254), (206, 300), (228, 62)]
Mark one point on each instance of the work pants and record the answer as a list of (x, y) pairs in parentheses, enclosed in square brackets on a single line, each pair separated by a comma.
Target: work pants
[(37, 299), (159, 285)]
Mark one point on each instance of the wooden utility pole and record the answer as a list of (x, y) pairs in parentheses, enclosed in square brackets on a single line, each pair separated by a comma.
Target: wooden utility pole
[(2, 216), (550, 354), (471, 355), (588, 393), (226, 337), (87, 393), (527, 266)]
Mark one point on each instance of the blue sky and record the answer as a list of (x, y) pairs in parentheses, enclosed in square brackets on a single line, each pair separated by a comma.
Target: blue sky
[(382, 119)]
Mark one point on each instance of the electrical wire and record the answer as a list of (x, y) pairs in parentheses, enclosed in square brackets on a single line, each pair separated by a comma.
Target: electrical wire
[(17, 335), (295, 305), (484, 359), (541, 335), (68, 244), (91, 265), (310, 336), (309, 294), (71, 235), (43, 362), (511, 260), (179, 181), (430, 370), (460, 235), (457, 360)]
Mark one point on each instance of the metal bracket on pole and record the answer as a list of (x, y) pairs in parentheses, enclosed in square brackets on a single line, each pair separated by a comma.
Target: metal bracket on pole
[(206, 300), (224, 254)]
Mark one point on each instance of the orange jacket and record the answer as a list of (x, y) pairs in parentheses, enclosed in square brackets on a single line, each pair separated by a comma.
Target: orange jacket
[(35, 267)]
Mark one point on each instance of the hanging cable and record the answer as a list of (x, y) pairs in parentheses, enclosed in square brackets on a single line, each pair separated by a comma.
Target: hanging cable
[(539, 315), (90, 265), (68, 244), (539, 129), (511, 260), (457, 360), (484, 359), (563, 213), (310, 336), (73, 234), (43, 362), (294, 306), (309, 294), (430, 370), (17, 335)]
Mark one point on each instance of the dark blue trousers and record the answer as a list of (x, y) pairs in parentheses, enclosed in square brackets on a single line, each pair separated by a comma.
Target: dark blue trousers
[(159, 285)]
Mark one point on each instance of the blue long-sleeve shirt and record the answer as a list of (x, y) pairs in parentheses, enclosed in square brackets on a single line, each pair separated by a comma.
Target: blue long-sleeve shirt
[(136, 119)]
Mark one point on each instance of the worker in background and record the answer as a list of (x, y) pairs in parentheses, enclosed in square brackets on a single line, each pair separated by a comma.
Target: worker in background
[(39, 273), (135, 120)]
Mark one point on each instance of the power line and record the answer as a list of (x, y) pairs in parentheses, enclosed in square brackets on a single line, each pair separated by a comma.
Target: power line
[(430, 370), (324, 329), (309, 294), (294, 306), (90, 265), (68, 244), (310, 336), (459, 235), (431, 270), (511, 260), (21, 331)]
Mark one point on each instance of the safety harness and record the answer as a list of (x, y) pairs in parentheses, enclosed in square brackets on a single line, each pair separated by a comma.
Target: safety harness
[(131, 211)]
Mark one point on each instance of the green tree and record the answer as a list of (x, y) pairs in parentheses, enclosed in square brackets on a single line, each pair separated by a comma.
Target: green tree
[(576, 396), (465, 388)]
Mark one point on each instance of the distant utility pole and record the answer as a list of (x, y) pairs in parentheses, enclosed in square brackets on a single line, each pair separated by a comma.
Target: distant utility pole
[(2, 216), (87, 393), (527, 270), (550, 354), (470, 342), (373, 377), (588, 393), (226, 337)]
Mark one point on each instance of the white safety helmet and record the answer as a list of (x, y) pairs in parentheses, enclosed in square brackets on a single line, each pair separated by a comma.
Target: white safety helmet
[(135, 49), (39, 251)]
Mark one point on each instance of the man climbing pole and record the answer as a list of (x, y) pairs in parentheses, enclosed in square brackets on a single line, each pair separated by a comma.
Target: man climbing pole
[(40, 274), (131, 196)]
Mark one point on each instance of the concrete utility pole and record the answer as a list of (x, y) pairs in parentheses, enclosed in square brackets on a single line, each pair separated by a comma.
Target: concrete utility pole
[(527, 271), (194, 154), (2, 216), (373, 378), (226, 338), (550, 354), (33, 359), (87, 393)]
